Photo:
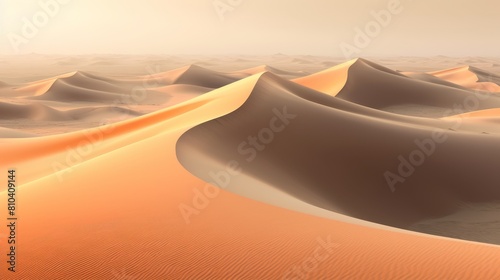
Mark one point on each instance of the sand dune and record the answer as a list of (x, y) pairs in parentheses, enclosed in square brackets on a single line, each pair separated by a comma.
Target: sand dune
[(316, 166), (160, 245), (79, 79), (267, 68), (432, 79), (330, 81), (470, 77), (63, 91), (98, 91), (197, 76), (40, 87), (18, 116), (75, 79), (486, 80), (142, 93), (10, 111), (375, 86), (90, 81), (479, 114), (151, 194)]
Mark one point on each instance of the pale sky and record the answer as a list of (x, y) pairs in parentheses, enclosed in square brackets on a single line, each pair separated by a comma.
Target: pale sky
[(311, 27)]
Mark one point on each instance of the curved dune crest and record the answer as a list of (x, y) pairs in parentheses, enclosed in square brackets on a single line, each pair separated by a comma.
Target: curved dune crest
[(10, 111), (432, 79), (61, 90), (457, 75), (267, 68), (18, 114), (90, 81), (470, 77), (40, 87), (378, 87), (225, 98), (75, 79), (197, 76), (74, 89), (330, 81), (312, 156)]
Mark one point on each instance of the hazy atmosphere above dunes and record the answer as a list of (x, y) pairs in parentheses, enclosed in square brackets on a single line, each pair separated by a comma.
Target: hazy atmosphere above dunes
[(423, 28)]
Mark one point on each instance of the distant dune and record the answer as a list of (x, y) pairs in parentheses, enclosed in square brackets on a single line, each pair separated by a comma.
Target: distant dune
[(64, 91), (45, 113), (42, 86), (197, 76), (470, 77), (267, 68), (330, 81), (32, 111), (368, 84)]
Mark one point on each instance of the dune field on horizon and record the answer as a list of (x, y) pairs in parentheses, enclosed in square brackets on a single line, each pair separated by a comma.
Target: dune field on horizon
[(250, 167)]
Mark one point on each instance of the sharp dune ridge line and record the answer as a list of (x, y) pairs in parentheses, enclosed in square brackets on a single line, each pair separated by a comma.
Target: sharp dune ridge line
[(470, 77), (104, 200), (330, 169)]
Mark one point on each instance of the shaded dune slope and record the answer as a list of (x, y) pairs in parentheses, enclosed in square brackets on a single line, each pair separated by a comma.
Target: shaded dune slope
[(196, 76), (90, 88), (320, 155), (432, 79), (60, 90), (76, 79), (267, 68)]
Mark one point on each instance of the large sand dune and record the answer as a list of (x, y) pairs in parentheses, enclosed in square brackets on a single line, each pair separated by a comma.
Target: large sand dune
[(368, 84), (39, 112), (470, 77), (267, 68), (198, 76), (249, 175), (313, 161)]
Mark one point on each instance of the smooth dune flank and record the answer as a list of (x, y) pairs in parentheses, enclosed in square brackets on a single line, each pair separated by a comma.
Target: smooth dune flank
[(243, 170)]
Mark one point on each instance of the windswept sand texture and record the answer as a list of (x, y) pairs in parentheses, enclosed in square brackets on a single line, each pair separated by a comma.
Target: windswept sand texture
[(169, 167)]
